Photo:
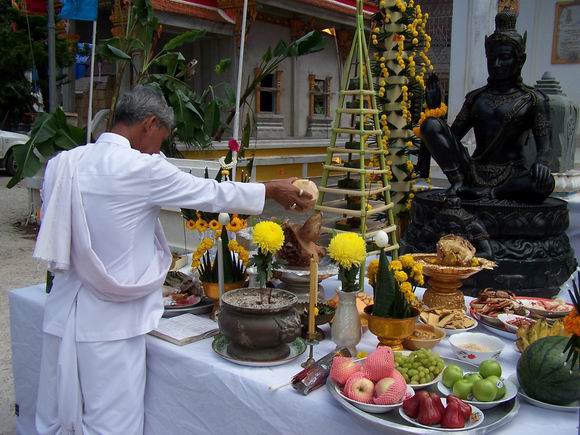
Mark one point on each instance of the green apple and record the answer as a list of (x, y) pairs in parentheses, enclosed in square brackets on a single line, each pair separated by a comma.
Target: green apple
[(490, 367), (499, 384), (462, 389), (451, 374), (472, 377), (484, 390)]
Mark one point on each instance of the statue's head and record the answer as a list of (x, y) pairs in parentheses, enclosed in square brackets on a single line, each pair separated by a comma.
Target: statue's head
[(505, 48)]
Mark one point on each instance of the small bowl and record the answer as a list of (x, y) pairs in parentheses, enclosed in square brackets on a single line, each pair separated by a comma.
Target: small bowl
[(376, 409), (505, 318), (415, 343), (493, 344)]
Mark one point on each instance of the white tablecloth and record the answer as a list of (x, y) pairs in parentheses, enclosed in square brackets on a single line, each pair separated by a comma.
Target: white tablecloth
[(191, 390)]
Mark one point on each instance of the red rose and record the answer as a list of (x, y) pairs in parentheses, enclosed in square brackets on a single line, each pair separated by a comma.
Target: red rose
[(234, 145)]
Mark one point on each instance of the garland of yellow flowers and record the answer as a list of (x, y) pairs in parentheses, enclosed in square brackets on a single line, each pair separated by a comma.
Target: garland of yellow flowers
[(407, 273), (236, 224), (205, 245), (430, 113)]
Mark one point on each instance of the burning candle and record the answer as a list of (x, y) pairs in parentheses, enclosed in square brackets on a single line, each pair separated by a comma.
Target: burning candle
[(313, 298)]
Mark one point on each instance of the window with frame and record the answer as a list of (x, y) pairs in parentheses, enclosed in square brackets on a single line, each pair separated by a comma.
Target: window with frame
[(319, 96), (268, 93)]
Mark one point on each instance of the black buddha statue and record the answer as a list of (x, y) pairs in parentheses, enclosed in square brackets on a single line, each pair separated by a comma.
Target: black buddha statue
[(502, 114), (499, 196)]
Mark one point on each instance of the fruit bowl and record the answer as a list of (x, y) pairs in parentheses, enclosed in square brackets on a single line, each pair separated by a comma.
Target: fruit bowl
[(511, 391), (426, 384), (414, 343), (475, 420), (372, 408), (465, 346)]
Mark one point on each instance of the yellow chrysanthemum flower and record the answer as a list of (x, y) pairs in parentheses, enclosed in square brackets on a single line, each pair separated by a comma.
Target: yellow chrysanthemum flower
[(407, 260), (406, 287), (347, 249), (401, 276), (190, 224), (372, 270), (361, 354), (269, 236), (396, 265)]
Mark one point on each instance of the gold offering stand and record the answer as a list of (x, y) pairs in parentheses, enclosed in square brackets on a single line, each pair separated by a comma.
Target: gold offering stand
[(445, 281)]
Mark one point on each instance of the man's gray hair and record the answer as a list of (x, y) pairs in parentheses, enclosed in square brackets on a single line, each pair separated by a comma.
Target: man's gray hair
[(141, 103)]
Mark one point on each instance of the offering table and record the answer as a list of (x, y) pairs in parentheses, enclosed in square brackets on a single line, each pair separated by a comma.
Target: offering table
[(191, 390)]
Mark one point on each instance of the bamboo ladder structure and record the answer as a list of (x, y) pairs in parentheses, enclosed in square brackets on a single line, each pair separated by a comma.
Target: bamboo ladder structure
[(358, 65)]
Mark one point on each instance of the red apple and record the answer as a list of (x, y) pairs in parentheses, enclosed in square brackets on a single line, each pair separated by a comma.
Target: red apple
[(343, 368), (359, 388), (380, 363), (389, 391)]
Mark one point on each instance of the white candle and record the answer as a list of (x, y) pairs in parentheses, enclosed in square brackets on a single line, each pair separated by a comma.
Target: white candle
[(220, 260), (313, 298)]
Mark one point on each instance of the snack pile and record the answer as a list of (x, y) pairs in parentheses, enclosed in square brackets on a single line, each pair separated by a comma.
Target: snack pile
[(446, 318), (453, 250)]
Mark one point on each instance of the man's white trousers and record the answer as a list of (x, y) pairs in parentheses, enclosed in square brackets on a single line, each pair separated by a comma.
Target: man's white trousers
[(112, 379)]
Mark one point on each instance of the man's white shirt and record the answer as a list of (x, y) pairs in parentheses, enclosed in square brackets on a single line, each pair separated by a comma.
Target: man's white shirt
[(123, 191)]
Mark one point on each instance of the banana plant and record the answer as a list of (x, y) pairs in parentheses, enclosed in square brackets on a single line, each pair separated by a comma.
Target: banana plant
[(50, 134)]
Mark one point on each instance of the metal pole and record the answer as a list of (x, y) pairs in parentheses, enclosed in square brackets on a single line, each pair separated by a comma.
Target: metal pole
[(91, 83), (52, 99), (239, 84)]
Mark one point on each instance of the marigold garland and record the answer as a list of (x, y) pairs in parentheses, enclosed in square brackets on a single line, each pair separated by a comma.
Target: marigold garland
[(572, 323), (372, 270), (347, 250), (190, 224)]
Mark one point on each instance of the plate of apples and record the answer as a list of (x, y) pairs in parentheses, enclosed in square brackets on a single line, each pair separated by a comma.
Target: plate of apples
[(374, 385), (451, 414)]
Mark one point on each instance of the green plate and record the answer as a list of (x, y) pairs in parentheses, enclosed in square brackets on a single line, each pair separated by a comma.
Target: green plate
[(220, 346)]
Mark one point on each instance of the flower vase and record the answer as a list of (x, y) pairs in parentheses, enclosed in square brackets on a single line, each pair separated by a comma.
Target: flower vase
[(346, 326)]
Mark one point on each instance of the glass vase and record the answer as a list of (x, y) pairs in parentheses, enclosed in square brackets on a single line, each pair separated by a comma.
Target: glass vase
[(346, 326)]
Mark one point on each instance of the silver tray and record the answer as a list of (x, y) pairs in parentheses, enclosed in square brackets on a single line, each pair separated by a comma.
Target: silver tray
[(494, 417), (202, 307)]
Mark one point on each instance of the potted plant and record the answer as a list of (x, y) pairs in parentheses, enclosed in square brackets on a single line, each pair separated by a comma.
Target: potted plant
[(393, 315), (260, 322), (348, 251)]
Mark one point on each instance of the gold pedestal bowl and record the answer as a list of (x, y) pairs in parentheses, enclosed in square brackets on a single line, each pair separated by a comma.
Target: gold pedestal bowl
[(445, 281), (391, 332)]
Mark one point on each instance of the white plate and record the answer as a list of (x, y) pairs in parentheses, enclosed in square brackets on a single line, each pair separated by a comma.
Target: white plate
[(475, 420), (421, 386), (573, 407), (511, 391), (449, 331), (505, 318), (220, 346), (498, 331), (372, 408), (535, 306)]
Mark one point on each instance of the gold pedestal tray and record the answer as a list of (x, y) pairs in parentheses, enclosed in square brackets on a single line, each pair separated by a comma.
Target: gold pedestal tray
[(391, 332), (445, 281)]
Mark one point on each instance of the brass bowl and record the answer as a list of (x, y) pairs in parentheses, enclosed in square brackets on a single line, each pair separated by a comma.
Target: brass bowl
[(391, 332), (445, 281), (415, 343)]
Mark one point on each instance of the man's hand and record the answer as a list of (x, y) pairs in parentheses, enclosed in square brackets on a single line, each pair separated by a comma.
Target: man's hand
[(541, 173), (288, 195)]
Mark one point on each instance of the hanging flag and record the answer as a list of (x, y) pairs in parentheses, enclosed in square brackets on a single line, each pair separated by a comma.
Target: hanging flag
[(79, 10)]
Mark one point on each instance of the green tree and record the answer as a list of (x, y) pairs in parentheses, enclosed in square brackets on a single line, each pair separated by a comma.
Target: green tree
[(22, 47)]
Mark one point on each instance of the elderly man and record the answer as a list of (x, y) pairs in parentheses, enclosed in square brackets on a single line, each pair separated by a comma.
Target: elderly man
[(101, 237)]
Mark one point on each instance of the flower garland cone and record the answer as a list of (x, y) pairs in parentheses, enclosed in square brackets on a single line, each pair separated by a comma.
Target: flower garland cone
[(343, 368), (380, 363)]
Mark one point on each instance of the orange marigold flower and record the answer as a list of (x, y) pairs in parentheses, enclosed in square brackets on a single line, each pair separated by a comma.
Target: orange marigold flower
[(190, 224), (572, 323)]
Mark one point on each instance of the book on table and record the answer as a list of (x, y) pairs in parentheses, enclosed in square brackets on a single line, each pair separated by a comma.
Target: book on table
[(185, 329)]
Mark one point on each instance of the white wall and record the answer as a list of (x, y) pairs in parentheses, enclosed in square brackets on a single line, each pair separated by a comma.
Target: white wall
[(537, 17)]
